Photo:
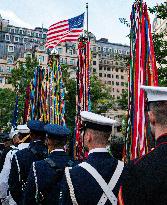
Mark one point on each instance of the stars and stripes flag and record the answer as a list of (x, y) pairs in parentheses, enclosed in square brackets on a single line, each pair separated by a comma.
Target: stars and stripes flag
[(63, 31)]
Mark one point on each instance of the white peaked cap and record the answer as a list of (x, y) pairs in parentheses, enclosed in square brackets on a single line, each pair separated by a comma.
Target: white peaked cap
[(13, 133), (23, 129), (96, 119), (155, 93)]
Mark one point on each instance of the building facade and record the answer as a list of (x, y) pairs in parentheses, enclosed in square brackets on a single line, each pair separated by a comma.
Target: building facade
[(109, 62)]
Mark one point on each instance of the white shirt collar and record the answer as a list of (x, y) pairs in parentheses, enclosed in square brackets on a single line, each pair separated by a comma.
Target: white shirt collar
[(103, 149), (57, 150)]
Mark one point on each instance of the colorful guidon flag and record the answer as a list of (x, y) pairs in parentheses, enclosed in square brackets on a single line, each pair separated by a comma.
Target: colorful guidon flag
[(63, 31)]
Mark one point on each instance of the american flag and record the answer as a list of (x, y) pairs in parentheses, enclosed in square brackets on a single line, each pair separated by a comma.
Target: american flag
[(63, 31)]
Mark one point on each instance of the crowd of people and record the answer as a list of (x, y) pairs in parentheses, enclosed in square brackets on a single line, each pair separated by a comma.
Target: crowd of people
[(37, 170)]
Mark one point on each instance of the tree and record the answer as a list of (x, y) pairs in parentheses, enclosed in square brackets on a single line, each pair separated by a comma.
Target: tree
[(101, 99), (20, 78), (123, 101), (160, 44), (7, 103)]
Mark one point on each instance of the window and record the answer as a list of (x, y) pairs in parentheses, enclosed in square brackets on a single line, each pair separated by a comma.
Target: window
[(109, 69), (44, 35), (21, 31), (108, 75), (122, 83), (94, 62), (61, 60), (12, 30), (1, 69), (65, 61), (9, 69), (60, 50), (100, 74), (94, 70), (120, 51), (100, 68), (7, 37), (10, 48), (104, 68), (116, 63), (117, 90), (123, 90), (10, 59), (117, 76), (117, 83), (122, 71), (113, 89), (1, 80), (115, 50), (109, 83), (112, 82), (99, 48), (94, 55), (104, 49), (116, 69), (122, 77), (37, 35), (104, 75), (41, 59), (29, 33), (16, 39), (71, 61), (112, 76), (70, 52)]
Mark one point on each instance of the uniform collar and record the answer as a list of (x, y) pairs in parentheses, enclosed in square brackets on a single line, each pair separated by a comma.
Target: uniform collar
[(103, 149), (162, 139), (57, 150)]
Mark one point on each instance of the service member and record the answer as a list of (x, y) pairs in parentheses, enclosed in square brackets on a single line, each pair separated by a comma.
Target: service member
[(97, 180), (23, 159), (43, 185), (145, 182), (19, 137)]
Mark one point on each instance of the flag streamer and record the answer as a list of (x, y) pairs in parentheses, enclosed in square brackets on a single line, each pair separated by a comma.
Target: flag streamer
[(142, 71)]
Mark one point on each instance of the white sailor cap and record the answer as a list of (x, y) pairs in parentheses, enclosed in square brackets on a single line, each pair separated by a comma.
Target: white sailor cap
[(23, 129), (13, 133), (155, 93), (96, 121)]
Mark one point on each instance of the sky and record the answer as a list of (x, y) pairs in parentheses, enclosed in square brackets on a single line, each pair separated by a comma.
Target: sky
[(103, 14)]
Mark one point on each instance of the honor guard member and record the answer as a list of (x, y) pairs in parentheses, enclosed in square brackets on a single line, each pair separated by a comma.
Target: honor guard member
[(43, 184), (97, 179), (7, 147), (19, 138), (145, 182), (23, 159)]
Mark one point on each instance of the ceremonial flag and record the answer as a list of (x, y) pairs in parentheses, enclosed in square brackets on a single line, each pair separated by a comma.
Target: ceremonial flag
[(63, 31)]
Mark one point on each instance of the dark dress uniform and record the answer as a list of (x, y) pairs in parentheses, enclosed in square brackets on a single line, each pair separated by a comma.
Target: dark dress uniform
[(86, 189), (43, 185), (48, 177), (20, 167), (145, 181)]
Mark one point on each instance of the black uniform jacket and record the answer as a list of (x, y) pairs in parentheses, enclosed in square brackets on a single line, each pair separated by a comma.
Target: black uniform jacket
[(18, 174), (87, 190), (48, 180), (145, 181)]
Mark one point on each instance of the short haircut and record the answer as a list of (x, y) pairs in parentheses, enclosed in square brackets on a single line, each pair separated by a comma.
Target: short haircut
[(159, 110), (100, 137)]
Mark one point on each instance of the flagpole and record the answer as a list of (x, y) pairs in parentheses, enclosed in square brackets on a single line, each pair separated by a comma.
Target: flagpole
[(87, 20)]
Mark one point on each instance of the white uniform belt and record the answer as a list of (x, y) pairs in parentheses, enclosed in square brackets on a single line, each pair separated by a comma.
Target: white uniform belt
[(107, 188)]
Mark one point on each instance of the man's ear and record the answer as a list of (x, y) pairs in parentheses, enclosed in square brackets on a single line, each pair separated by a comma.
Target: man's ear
[(151, 117)]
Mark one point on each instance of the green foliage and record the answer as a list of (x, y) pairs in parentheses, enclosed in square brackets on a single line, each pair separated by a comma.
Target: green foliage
[(160, 10), (123, 101), (7, 104), (160, 45), (20, 78), (101, 99)]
